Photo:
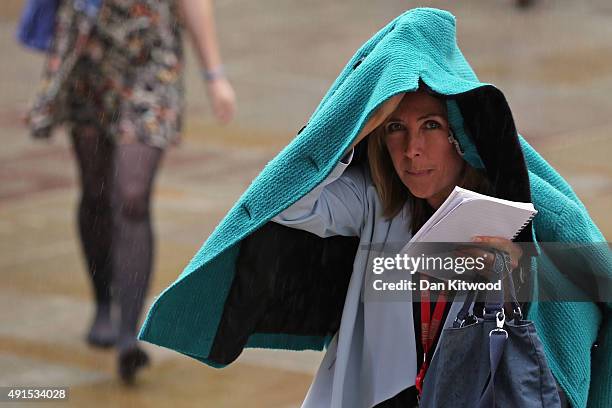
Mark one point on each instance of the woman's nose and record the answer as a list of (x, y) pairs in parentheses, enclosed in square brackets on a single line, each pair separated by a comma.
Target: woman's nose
[(413, 146)]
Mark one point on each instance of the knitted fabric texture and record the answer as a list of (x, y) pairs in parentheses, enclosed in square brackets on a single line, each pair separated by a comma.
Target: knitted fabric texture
[(419, 45)]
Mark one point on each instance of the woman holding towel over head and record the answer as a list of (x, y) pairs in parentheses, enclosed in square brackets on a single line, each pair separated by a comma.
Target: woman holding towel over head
[(414, 162), (405, 122)]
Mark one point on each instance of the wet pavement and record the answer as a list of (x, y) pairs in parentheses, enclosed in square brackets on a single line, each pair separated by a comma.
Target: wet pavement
[(553, 63)]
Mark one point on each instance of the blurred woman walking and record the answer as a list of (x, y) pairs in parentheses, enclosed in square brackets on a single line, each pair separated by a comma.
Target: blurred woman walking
[(114, 75)]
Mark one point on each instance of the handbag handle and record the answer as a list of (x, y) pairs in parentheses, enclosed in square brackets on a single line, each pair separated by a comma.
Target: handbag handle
[(494, 301), (494, 308)]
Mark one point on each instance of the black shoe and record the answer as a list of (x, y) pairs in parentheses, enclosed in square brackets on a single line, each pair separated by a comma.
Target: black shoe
[(131, 360), (524, 3), (102, 334)]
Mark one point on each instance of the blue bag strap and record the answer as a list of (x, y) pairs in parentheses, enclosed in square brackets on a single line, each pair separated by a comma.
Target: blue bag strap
[(465, 309), (516, 307), (497, 341), (494, 309), (494, 302), (464, 312)]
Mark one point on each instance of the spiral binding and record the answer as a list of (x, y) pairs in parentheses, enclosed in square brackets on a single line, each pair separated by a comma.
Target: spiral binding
[(531, 217)]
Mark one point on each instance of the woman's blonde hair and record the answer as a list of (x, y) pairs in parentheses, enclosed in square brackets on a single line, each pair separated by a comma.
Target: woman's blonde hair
[(394, 194)]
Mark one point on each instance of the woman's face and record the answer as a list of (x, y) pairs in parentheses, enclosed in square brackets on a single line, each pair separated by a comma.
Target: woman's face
[(416, 135)]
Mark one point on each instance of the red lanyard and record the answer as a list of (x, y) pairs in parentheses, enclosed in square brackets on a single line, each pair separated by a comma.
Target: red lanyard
[(430, 327)]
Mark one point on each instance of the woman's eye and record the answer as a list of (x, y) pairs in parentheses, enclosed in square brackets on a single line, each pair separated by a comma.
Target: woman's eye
[(432, 124), (394, 127)]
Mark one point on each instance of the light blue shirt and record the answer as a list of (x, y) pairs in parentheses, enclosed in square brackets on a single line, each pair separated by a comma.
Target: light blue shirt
[(372, 357)]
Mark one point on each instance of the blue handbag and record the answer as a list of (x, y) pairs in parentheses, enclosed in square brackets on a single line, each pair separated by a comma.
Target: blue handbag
[(37, 23), (35, 29), (490, 362)]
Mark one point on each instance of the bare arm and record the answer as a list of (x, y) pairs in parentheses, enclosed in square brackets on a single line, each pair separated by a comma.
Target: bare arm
[(200, 23)]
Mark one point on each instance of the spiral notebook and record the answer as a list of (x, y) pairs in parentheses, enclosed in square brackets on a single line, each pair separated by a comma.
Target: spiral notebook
[(465, 214)]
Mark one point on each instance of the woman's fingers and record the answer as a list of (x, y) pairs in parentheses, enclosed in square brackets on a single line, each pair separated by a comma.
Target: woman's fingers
[(487, 257), (484, 257), (502, 244), (379, 116)]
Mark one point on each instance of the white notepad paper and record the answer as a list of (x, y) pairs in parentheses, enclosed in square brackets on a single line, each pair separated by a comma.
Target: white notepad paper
[(465, 214)]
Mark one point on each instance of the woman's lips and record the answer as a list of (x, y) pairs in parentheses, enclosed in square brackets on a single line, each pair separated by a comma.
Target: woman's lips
[(419, 173)]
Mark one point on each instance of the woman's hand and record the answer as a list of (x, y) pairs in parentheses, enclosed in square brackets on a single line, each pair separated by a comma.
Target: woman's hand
[(507, 246), (501, 244), (377, 118), (222, 98), (199, 19)]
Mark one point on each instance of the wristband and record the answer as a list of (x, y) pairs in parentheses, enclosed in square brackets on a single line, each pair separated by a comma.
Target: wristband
[(213, 74)]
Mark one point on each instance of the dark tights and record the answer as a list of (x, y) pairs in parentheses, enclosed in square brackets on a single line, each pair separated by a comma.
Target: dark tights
[(115, 223)]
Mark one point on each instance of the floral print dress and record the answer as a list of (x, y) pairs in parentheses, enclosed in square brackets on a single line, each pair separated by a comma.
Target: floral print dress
[(121, 72)]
